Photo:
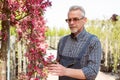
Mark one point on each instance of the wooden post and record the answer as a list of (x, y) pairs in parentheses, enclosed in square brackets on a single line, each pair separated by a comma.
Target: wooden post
[(106, 52), (19, 57), (24, 58), (13, 57)]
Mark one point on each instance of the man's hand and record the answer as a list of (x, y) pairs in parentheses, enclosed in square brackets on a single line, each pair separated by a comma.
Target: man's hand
[(57, 69)]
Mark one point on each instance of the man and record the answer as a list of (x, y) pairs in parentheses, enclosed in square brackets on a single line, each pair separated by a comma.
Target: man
[(79, 53)]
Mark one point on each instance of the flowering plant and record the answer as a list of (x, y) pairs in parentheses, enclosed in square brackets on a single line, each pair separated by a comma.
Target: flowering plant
[(27, 15)]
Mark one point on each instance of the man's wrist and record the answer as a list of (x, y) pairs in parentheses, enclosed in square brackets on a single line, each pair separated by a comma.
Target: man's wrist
[(66, 72)]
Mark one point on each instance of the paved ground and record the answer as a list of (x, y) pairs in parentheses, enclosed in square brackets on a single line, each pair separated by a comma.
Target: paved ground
[(101, 76)]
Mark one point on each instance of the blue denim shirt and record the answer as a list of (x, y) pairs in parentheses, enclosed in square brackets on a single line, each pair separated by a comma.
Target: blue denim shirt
[(90, 60)]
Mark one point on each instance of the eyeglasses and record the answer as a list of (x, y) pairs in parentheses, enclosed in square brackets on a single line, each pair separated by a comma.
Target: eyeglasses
[(73, 19)]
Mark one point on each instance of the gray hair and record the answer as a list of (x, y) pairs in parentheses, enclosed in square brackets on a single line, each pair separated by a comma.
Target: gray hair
[(77, 8)]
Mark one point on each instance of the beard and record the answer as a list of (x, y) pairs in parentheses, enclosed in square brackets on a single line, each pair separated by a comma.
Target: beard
[(74, 30)]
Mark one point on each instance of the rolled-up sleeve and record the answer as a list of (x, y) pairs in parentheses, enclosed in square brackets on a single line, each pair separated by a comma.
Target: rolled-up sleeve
[(94, 59)]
